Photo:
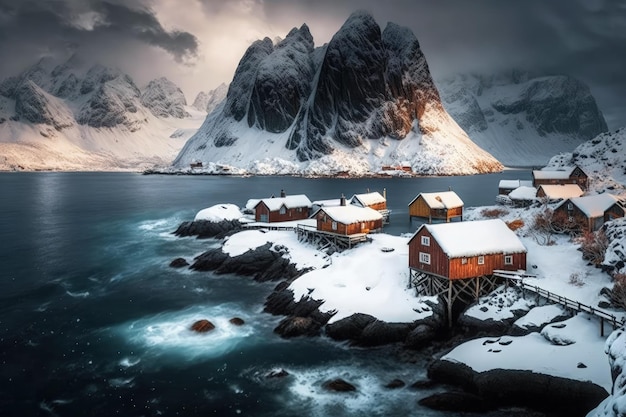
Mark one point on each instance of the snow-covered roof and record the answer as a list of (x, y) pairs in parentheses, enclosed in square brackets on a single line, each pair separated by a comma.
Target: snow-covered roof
[(290, 201), (474, 238), (513, 184), (367, 199), (523, 193), (559, 174), (351, 214), (251, 203), (561, 191), (440, 200), (594, 205)]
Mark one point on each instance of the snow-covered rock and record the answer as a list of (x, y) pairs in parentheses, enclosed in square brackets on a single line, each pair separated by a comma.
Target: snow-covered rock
[(364, 100), (522, 119), (164, 99), (615, 255)]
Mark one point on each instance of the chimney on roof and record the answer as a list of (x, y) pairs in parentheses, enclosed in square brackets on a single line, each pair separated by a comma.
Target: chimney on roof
[(342, 200), (282, 193)]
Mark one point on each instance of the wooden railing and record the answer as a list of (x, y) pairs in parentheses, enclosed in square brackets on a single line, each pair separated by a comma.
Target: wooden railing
[(572, 304), (518, 278)]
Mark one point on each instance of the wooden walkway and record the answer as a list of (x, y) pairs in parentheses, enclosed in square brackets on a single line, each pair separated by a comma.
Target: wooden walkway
[(568, 303)]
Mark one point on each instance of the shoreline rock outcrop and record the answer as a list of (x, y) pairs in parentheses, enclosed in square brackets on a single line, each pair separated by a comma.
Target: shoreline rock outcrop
[(504, 388)]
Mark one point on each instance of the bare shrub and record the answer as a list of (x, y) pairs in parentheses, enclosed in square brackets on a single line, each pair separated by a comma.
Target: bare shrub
[(494, 213), (515, 224), (594, 246), (618, 294)]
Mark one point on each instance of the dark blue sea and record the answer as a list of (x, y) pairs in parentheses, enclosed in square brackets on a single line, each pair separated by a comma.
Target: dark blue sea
[(93, 321)]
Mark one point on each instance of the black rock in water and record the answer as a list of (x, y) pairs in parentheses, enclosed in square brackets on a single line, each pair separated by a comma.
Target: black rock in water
[(206, 229), (179, 263), (298, 326)]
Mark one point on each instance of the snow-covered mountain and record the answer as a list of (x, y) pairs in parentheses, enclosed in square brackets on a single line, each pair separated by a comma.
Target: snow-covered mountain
[(521, 119), (208, 101), (163, 98), (364, 100), (70, 116)]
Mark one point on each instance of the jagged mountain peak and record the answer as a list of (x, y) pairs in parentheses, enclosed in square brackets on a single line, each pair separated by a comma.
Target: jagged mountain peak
[(164, 99)]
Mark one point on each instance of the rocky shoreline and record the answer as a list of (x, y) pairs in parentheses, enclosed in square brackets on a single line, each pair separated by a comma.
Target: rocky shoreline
[(472, 391)]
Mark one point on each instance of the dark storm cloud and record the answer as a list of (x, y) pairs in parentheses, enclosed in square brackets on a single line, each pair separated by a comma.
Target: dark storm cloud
[(30, 28)]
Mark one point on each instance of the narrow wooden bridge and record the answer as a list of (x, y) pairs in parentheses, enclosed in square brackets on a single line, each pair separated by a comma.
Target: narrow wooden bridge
[(568, 303)]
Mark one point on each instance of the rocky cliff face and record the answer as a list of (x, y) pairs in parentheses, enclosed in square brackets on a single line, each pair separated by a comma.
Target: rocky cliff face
[(366, 93), (164, 99), (36, 106)]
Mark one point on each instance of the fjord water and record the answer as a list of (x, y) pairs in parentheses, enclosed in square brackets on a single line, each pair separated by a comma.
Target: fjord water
[(93, 321)]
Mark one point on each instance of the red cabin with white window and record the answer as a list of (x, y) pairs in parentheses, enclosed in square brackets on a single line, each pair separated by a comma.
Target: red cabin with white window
[(463, 250)]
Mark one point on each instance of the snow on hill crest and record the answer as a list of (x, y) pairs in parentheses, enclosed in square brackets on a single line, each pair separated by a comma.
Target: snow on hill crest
[(208, 101)]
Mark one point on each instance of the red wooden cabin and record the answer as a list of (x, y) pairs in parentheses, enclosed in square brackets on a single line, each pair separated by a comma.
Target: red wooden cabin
[(463, 250)]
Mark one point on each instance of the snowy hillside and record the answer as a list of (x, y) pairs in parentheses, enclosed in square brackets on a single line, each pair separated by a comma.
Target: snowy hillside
[(603, 159), (520, 119), (363, 101), (75, 117)]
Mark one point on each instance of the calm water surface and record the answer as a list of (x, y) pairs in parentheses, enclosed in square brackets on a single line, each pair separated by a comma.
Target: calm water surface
[(93, 322)]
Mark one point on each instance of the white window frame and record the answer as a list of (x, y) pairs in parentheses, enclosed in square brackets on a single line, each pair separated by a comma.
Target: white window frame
[(425, 258), (508, 259), (481, 260), (425, 241), (333, 225)]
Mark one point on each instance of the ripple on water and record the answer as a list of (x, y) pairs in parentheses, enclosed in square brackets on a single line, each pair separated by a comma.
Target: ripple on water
[(170, 333)]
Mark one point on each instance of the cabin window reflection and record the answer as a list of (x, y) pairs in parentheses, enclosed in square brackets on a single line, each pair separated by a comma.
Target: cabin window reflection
[(283, 210), (425, 240), (425, 258), (508, 260), (481, 260)]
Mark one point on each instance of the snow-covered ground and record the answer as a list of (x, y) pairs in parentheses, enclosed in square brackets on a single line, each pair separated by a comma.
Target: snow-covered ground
[(372, 278)]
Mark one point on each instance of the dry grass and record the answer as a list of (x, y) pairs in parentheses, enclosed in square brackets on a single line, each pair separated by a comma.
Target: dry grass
[(515, 224), (494, 213)]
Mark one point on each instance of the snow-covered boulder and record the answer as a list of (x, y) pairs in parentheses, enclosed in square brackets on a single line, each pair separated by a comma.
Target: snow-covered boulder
[(615, 255), (219, 212)]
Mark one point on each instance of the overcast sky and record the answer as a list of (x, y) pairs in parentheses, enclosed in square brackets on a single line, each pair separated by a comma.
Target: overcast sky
[(198, 43)]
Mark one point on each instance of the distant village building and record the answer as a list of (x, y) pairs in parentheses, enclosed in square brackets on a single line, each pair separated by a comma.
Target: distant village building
[(445, 205), (567, 175), (592, 211), (196, 164), (281, 209), (463, 250), (373, 200), (523, 196), (555, 192), (506, 186)]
